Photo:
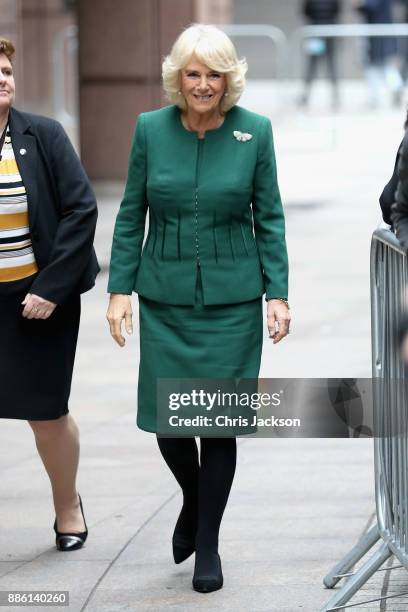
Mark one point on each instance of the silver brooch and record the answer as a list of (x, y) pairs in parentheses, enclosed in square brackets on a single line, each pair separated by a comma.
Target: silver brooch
[(242, 136), (23, 151)]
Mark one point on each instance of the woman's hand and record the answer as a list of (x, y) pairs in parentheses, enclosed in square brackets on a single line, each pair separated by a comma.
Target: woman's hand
[(35, 307), (120, 307), (278, 316)]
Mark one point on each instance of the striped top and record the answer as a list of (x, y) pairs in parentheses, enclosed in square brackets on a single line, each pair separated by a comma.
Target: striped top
[(16, 252)]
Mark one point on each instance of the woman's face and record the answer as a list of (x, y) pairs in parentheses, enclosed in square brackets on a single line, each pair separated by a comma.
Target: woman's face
[(7, 85), (201, 86)]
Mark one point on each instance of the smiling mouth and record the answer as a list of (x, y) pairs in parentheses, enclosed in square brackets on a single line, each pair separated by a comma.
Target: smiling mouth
[(203, 98)]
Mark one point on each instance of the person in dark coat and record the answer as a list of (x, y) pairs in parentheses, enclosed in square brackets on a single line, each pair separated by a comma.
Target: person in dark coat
[(399, 209), (399, 220), (382, 52), (394, 196), (378, 11), (394, 207), (47, 223), (387, 197), (320, 12)]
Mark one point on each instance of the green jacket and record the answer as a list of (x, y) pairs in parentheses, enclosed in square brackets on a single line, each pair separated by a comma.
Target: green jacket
[(212, 202)]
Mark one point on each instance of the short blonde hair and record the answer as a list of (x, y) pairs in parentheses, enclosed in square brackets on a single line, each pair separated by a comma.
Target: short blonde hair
[(213, 48)]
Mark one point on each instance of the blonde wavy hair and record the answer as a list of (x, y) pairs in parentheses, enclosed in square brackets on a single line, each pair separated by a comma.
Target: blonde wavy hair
[(213, 48)]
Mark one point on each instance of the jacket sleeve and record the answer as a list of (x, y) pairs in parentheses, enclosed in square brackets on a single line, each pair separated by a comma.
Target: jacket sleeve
[(399, 210), (73, 242), (387, 197), (130, 222), (269, 221)]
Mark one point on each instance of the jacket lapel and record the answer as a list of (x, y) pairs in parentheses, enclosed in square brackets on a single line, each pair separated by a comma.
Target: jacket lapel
[(25, 151)]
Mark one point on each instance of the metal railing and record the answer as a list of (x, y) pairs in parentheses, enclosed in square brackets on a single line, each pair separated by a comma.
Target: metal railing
[(389, 282), (352, 30), (274, 34)]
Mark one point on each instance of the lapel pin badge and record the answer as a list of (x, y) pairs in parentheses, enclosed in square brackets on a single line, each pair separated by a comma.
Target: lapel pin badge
[(23, 151)]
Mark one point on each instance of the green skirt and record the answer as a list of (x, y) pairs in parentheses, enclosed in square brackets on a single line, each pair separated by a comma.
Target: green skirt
[(211, 342)]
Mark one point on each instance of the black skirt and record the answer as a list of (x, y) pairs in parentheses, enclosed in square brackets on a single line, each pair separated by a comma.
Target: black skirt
[(36, 356)]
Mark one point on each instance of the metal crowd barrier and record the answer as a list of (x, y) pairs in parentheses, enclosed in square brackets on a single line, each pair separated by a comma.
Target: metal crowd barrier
[(351, 30), (275, 35), (285, 47), (389, 282)]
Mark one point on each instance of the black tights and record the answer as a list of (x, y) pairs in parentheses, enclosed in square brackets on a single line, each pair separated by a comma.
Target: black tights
[(205, 484)]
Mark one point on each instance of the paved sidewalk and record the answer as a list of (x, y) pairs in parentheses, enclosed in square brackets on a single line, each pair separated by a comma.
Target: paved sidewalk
[(297, 506)]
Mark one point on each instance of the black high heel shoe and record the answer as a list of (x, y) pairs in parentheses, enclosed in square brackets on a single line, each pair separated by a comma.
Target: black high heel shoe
[(207, 572), (71, 541), (182, 547)]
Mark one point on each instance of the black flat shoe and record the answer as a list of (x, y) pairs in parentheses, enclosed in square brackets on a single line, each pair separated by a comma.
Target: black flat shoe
[(71, 541), (207, 572), (182, 547)]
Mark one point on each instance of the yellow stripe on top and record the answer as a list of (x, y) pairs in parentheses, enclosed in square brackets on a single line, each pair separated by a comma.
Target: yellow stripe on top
[(17, 258), (17, 273), (13, 221), (8, 166)]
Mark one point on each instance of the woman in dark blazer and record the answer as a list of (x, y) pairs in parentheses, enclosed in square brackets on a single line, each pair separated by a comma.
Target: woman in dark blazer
[(205, 170), (47, 223)]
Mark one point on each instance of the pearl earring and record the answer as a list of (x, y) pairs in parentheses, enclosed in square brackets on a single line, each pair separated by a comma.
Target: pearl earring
[(179, 93), (226, 93)]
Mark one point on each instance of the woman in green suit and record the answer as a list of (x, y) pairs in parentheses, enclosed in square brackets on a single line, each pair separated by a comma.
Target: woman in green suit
[(204, 168)]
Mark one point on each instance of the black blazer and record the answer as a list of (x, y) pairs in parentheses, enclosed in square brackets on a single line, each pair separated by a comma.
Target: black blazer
[(387, 197), (61, 205), (399, 210)]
